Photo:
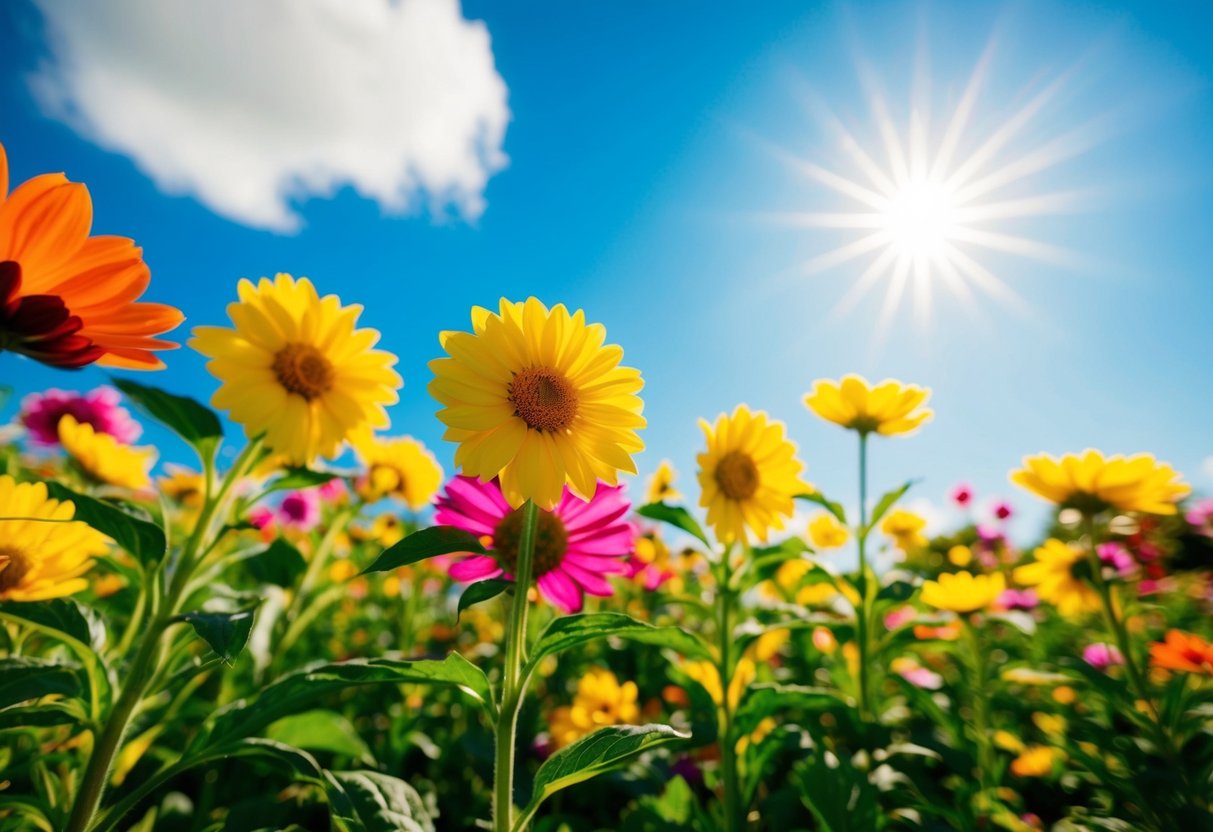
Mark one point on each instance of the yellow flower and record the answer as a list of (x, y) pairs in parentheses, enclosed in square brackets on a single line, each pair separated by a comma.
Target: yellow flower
[(1035, 761), (102, 457), (963, 592), (761, 731), (826, 532), (1051, 725), (295, 369), (905, 528), (960, 556), (1092, 482), (1060, 575), (1065, 695), (706, 674), (768, 645), (824, 640), (748, 475), (816, 594), (534, 396), (341, 570), (661, 485), (400, 467), (41, 559), (183, 486), (600, 700), (889, 408), (1008, 742)]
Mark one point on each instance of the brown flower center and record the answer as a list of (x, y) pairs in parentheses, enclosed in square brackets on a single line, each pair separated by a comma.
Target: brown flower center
[(551, 542), (302, 369), (13, 567), (737, 475), (544, 399)]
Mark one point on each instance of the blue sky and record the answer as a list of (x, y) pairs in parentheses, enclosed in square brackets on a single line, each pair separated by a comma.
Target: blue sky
[(640, 184)]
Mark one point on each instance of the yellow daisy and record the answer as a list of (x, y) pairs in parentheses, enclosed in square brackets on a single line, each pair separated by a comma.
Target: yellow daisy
[(295, 369), (905, 528), (1092, 482), (748, 475), (1061, 575), (661, 485), (600, 700), (45, 556), (400, 467), (102, 457), (826, 532), (534, 396), (889, 408), (963, 592), (183, 486)]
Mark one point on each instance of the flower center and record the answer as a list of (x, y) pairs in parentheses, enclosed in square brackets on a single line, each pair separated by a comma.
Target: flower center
[(302, 369), (386, 480), (13, 567), (1080, 570), (737, 475), (544, 399), (551, 542)]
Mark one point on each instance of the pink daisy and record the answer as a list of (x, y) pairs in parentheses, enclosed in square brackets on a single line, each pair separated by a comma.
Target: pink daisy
[(300, 510), (41, 412), (576, 546)]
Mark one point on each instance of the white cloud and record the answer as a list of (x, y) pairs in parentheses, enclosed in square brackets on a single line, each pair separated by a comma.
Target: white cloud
[(251, 105)]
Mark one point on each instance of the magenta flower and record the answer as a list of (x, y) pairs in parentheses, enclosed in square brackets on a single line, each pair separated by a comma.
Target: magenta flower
[(1102, 656), (962, 494), (1003, 510), (577, 545), (261, 517), (1018, 599), (901, 615), (300, 510), (1116, 556), (41, 412), (1200, 516), (332, 491)]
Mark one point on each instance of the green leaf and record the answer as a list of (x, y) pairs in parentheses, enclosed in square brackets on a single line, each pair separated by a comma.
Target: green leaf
[(143, 539), (320, 730), (60, 616), (39, 716), (765, 700), (293, 479), (572, 630), (299, 690), (829, 505), (676, 516), (195, 423), (369, 801), (426, 543), (279, 564), (603, 750), (225, 632), (839, 796), (887, 501), (23, 678), (482, 591)]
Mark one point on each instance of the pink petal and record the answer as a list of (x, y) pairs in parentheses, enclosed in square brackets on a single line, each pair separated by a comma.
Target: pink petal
[(619, 541), (591, 582), (560, 590), (475, 568), (597, 563)]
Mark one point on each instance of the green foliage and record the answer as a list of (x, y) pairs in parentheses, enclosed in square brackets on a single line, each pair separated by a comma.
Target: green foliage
[(142, 538), (424, 544)]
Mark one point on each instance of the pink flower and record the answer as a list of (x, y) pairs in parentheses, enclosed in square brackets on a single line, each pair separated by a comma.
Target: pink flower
[(989, 535), (1102, 656), (576, 545), (1018, 599), (41, 412), (916, 674), (300, 510), (261, 517), (1115, 555), (1003, 510), (962, 494), (1200, 516), (332, 491), (899, 616)]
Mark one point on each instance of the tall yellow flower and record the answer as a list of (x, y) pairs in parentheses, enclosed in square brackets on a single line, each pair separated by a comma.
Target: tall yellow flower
[(749, 474), (102, 457), (826, 532), (889, 408), (905, 528), (600, 700), (661, 485), (46, 555), (400, 467), (1061, 575), (963, 592), (535, 397), (295, 369), (1092, 482)]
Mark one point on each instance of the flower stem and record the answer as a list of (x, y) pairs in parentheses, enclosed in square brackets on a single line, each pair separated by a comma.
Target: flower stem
[(511, 675), (728, 744), (144, 666), (981, 716), (863, 612)]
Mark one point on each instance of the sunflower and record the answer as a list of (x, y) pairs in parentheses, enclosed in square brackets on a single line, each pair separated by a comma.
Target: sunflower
[(661, 485), (102, 457), (1061, 575), (826, 532), (963, 592), (534, 397), (68, 299), (295, 369), (749, 475), (889, 408), (1091, 482), (400, 467), (45, 555)]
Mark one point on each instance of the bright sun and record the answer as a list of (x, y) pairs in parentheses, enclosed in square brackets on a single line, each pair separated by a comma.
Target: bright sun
[(928, 201)]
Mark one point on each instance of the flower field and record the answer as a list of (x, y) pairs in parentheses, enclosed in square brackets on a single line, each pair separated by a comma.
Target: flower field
[(312, 625)]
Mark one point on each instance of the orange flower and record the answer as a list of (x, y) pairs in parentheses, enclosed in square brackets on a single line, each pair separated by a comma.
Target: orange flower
[(68, 299), (1183, 651)]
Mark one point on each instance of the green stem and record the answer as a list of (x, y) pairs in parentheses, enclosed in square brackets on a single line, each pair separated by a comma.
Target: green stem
[(863, 612), (981, 716), (511, 675), (728, 743), (146, 662)]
